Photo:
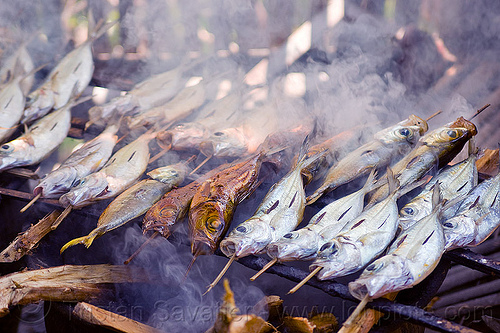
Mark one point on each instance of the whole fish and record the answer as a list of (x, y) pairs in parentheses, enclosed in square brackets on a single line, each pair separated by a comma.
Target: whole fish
[(361, 240), (17, 64), (121, 171), (213, 205), (215, 115), (437, 147), (454, 182), (87, 159), (303, 244), (182, 105), (412, 257), (39, 141), (172, 208), (134, 201), (477, 218), (152, 92), (11, 107), (387, 145), (279, 213), (67, 80)]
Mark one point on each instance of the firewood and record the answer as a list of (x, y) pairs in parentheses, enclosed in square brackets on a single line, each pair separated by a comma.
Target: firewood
[(116, 322), (28, 239), (488, 163), (68, 283)]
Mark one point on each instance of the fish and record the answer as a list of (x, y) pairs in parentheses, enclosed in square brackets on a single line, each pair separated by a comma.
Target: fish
[(121, 171), (182, 105), (87, 159), (387, 144), (213, 205), (437, 147), (173, 207), (19, 63), (280, 212), (303, 244), (39, 141), (411, 258), (66, 81), (361, 240), (477, 217), (134, 201), (454, 182), (12, 103)]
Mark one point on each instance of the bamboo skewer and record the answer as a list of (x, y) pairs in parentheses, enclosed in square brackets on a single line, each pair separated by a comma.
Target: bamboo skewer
[(355, 314), (61, 217), (201, 164), (153, 236), (29, 204), (434, 115), (221, 274), (479, 111), (265, 268), (304, 281)]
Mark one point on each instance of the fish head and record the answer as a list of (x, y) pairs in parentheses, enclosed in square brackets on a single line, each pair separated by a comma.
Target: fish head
[(409, 134), (57, 183), (38, 103), (416, 121), (85, 189), (301, 244), (337, 258), (387, 274), (413, 212), (11, 152), (183, 136), (210, 222), (228, 142), (160, 217), (459, 231), (250, 237), (170, 174)]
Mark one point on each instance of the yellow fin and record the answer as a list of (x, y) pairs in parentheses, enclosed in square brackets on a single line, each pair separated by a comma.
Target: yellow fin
[(86, 240)]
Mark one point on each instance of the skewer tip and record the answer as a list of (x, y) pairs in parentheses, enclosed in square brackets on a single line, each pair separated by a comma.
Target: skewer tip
[(221, 274), (29, 204), (265, 268)]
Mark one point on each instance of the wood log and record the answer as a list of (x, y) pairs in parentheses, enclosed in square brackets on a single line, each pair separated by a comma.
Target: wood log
[(68, 283), (488, 163), (27, 196), (26, 241), (97, 316)]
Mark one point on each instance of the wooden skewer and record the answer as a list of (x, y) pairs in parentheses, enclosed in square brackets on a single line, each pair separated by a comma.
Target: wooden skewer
[(201, 164), (265, 268), (160, 154), (479, 111), (38, 196), (356, 312), (189, 267), (433, 115), (303, 282), (61, 217), (126, 262), (221, 274)]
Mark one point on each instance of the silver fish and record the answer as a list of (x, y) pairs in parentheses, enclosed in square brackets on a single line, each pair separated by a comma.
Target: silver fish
[(411, 258), (11, 108), (279, 213), (89, 158), (454, 182), (67, 80), (121, 171), (18, 64), (40, 140), (361, 240), (303, 244), (387, 144), (478, 216)]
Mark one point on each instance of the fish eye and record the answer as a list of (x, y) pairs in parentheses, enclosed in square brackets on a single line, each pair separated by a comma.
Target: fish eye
[(375, 267), (5, 147), (214, 223), (408, 211), (241, 229), (288, 235), (448, 225), (180, 126), (404, 132), (325, 246), (218, 133), (452, 134)]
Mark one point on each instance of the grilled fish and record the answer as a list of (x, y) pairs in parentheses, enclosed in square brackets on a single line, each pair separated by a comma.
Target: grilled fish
[(121, 171), (454, 182), (18, 64), (11, 107), (279, 213), (411, 258), (478, 216), (388, 144), (88, 159), (40, 140), (134, 201), (439, 146), (303, 244), (361, 240)]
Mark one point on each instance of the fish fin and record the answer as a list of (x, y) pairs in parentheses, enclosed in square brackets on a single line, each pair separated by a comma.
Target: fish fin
[(436, 197), (392, 181), (79, 240), (371, 182)]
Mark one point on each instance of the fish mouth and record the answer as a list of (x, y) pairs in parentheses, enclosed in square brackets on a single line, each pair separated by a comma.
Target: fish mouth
[(240, 247), (288, 252), (358, 289), (199, 248), (164, 139), (329, 270)]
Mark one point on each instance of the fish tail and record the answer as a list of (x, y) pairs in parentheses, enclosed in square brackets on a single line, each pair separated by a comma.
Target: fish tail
[(79, 240), (371, 183)]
